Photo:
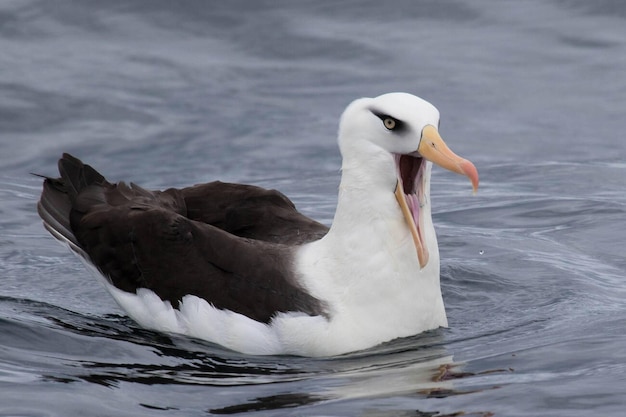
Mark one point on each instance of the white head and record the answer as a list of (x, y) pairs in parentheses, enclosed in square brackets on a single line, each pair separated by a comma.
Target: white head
[(398, 132), (393, 122)]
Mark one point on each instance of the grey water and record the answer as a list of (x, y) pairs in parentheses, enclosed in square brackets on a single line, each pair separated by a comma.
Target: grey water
[(169, 93)]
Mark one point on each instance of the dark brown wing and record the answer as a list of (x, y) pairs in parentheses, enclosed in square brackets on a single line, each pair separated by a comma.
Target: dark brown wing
[(252, 212), (143, 239)]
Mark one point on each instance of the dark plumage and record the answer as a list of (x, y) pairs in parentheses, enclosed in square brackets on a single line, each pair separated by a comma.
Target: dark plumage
[(181, 241)]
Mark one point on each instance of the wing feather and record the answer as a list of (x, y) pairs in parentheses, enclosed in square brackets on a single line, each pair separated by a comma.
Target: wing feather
[(229, 244)]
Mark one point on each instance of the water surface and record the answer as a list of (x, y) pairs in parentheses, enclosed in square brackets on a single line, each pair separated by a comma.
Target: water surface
[(163, 94)]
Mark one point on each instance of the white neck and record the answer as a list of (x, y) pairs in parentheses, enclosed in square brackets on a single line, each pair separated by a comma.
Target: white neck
[(369, 238), (366, 192), (368, 215)]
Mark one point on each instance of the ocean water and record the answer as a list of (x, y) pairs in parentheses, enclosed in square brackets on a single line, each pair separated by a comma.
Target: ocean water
[(169, 94)]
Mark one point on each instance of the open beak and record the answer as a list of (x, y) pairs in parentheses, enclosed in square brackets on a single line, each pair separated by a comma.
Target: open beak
[(409, 191)]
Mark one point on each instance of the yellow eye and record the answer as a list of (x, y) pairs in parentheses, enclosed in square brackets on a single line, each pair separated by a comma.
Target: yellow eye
[(389, 123)]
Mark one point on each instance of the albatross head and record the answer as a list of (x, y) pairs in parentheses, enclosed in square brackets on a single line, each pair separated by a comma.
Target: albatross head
[(402, 128)]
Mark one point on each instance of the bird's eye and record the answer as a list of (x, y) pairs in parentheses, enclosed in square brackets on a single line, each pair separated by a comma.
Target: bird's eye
[(389, 123)]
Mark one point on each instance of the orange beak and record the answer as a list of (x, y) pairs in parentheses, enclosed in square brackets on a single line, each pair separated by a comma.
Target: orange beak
[(435, 150)]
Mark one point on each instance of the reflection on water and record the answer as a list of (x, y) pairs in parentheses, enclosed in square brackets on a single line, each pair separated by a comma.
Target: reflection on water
[(417, 367)]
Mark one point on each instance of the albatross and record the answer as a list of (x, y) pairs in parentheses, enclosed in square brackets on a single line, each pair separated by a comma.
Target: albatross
[(239, 266)]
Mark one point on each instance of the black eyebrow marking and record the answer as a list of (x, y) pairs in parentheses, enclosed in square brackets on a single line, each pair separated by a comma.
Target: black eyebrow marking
[(400, 126)]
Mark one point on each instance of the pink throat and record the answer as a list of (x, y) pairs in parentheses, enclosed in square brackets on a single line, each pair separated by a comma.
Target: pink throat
[(410, 173)]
